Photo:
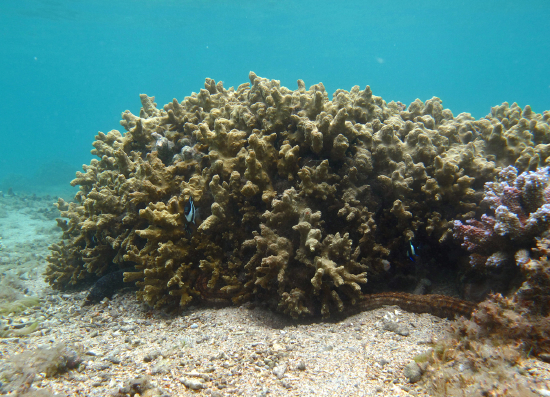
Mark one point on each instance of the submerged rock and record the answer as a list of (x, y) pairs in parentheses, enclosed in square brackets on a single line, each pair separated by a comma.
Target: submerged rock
[(105, 287)]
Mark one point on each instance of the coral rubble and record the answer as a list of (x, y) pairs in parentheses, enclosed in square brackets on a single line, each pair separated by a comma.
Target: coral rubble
[(301, 196), (495, 343), (523, 317)]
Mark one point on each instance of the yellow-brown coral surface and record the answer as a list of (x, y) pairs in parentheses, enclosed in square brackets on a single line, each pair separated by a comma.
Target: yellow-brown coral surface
[(300, 196)]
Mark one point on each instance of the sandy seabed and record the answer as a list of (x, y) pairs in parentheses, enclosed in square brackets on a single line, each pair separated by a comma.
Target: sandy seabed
[(127, 349)]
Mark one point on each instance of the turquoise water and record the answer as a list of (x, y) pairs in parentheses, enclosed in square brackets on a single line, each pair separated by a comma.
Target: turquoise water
[(69, 68)]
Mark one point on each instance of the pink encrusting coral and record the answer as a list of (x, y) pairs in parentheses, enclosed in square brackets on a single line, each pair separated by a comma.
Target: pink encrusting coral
[(520, 211)]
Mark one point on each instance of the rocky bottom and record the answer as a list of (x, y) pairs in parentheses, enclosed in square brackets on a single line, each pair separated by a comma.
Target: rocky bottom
[(122, 348), (51, 345)]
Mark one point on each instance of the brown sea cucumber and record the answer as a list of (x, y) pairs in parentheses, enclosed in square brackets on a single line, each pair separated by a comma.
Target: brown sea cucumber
[(438, 305)]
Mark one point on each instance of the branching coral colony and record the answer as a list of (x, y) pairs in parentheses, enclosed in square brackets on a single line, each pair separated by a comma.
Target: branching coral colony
[(301, 197)]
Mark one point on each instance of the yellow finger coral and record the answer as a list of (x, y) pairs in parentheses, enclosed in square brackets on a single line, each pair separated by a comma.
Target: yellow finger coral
[(296, 196)]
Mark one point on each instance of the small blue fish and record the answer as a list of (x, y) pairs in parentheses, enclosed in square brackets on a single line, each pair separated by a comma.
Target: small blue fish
[(411, 251)]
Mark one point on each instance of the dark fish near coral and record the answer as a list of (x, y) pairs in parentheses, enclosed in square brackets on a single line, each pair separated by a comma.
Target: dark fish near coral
[(105, 287), (190, 211)]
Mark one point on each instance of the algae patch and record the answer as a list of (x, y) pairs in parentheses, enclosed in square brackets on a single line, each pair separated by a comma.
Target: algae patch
[(8, 328), (20, 370), (19, 305)]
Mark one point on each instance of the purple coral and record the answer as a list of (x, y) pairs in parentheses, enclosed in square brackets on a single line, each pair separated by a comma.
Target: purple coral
[(521, 208), (521, 203), (480, 239), (476, 234)]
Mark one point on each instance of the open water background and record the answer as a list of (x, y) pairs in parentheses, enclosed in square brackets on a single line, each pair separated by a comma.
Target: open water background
[(68, 69)]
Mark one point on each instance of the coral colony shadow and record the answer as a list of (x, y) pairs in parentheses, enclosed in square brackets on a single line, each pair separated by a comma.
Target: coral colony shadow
[(304, 197)]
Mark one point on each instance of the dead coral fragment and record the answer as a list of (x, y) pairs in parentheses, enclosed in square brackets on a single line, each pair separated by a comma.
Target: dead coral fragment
[(293, 303), (141, 386)]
